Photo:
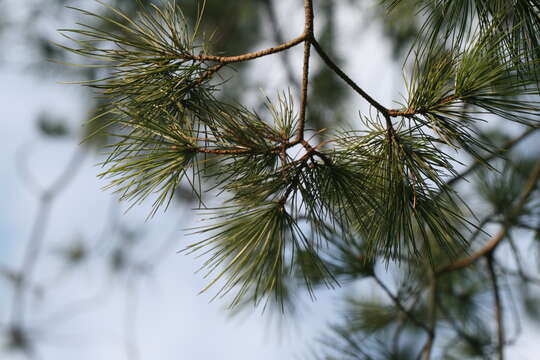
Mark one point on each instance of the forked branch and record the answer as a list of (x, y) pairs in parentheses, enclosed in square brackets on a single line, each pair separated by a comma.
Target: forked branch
[(498, 307)]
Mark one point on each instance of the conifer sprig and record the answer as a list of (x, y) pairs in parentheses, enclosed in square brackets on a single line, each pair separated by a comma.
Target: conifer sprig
[(149, 63), (515, 21), (253, 251), (150, 158), (452, 89), (409, 214), (383, 191)]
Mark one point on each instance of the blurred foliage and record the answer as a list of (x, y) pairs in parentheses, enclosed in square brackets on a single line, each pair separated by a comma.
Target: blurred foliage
[(51, 126)]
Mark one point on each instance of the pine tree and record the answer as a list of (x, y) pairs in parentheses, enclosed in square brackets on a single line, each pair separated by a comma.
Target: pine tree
[(313, 207)]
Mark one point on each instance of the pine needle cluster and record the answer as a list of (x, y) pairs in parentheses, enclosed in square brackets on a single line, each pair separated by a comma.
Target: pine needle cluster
[(383, 190)]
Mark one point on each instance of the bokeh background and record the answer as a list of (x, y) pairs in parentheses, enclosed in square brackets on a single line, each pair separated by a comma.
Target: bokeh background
[(81, 277)]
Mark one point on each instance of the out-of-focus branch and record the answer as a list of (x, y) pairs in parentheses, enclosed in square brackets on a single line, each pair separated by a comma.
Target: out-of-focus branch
[(501, 151), (34, 244), (492, 245), (432, 306), (278, 37), (524, 277), (79, 307), (399, 305), (498, 307), (462, 334)]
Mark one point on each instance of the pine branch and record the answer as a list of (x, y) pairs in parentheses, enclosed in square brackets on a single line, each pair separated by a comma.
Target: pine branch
[(386, 185), (408, 215), (451, 89)]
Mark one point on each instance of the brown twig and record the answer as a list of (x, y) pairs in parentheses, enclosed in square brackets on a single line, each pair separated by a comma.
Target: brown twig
[(308, 33), (276, 149), (252, 55), (409, 113), (209, 73), (300, 163), (223, 151)]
